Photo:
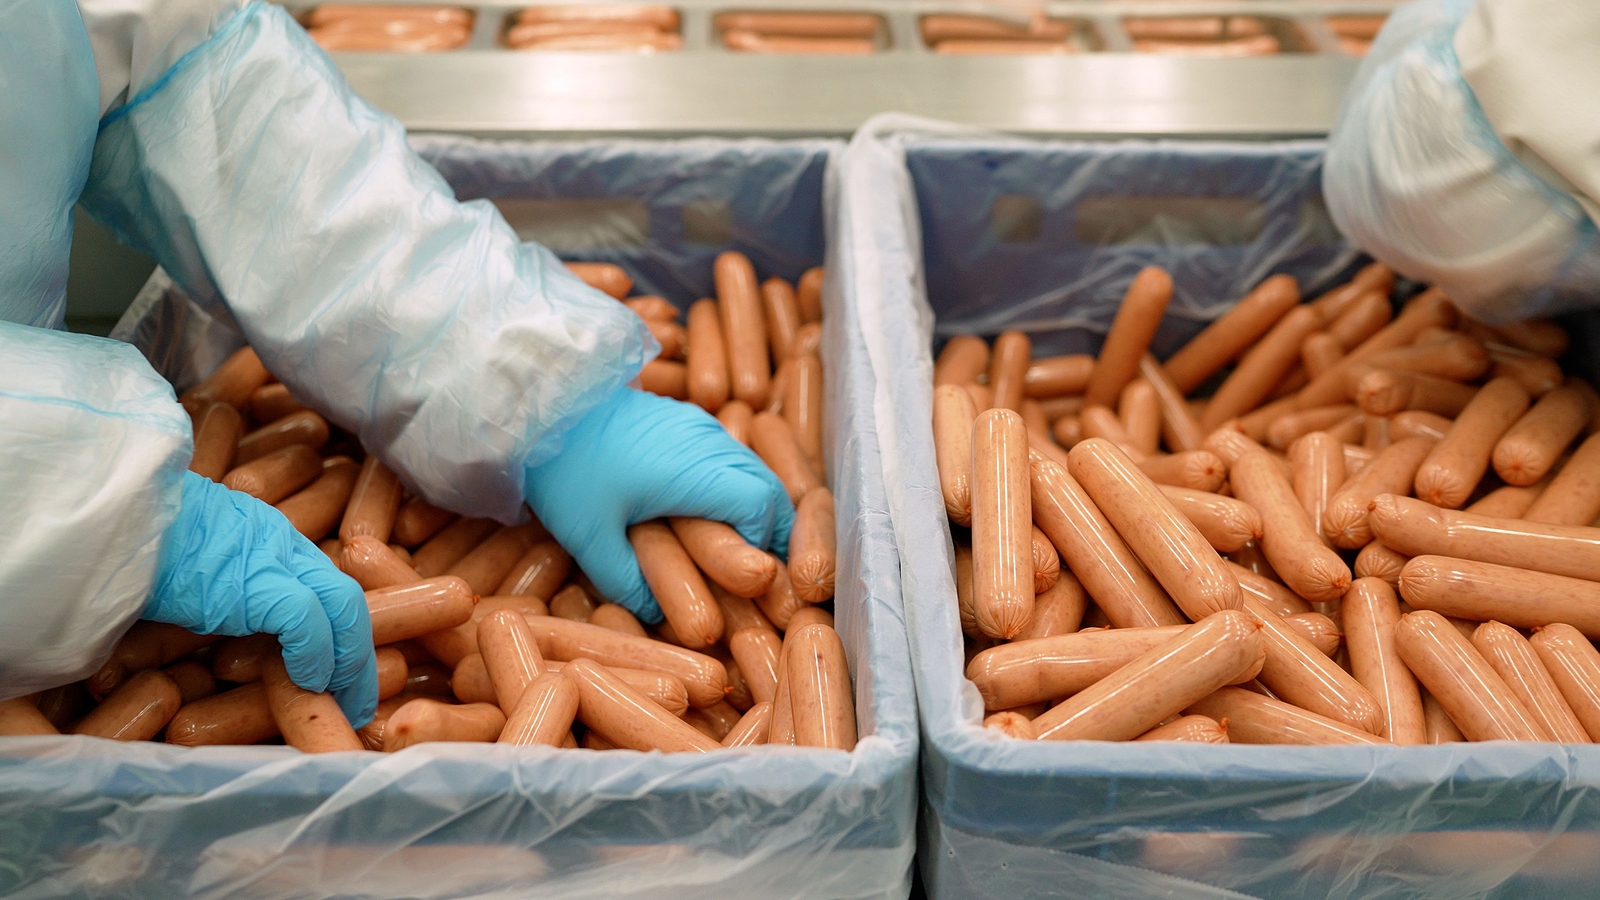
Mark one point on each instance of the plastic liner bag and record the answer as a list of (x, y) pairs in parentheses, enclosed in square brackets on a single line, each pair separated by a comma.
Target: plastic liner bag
[(1008, 818), (86, 817)]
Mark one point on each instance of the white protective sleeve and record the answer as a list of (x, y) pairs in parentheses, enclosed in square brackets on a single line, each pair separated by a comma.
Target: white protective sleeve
[(135, 42), (92, 447), (259, 181), (1535, 68)]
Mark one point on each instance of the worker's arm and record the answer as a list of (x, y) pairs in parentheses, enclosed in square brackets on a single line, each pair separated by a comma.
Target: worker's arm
[(238, 157), (1467, 153)]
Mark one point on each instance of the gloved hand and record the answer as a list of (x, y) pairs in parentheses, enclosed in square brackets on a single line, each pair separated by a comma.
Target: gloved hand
[(233, 565), (638, 457), (1420, 175)]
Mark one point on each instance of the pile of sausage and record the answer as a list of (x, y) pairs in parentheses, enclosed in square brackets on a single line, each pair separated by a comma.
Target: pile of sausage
[(955, 34), (350, 26), (595, 27), (1355, 33), (487, 632), (1132, 563), (826, 33), (1202, 35)]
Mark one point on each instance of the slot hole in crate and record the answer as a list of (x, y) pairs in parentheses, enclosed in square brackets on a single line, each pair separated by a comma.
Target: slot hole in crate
[(1016, 219), (578, 226), (1169, 221), (707, 222)]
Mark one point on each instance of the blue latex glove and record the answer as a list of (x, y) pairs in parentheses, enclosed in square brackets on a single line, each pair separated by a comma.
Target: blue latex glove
[(233, 565), (638, 457)]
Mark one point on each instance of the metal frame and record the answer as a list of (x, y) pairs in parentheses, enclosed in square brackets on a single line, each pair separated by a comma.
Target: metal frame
[(487, 90)]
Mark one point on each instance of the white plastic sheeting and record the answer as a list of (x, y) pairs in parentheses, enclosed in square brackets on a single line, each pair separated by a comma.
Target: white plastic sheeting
[(1007, 818), (87, 817)]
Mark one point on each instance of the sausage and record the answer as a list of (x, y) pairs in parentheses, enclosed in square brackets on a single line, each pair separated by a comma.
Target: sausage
[(311, 723), (1140, 411), (240, 658), (195, 682), (1191, 729), (1318, 352), (1481, 591), (734, 417), (608, 278), (1289, 541), (1376, 430), (1179, 427), (1010, 724), (471, 684), (1274, 596), (1377, 561), (451, 545), (780, 602), (1321, 631), (1574, 665), (1361, 320), (1316, 464), (563, 640), (738, 612), (1536, 374), (1002, 555), (1110, 571), (1476, 698), (1417, 423), (953, 413), (665, 378), (1198, 470), (773, 440), (782, 311), (276, 475), (1046, 563), (1255, 719), (1254, 424), (1058, 609), (1369, 612), (216, 440), (1008, 367), (430, 679), (756, 650), (1101, 422), (374, 503), (982, 397), (1530, 449), (626, 717), (685, 599), (393, 672), (1228, 444), (1346, 520), (304, 427), (1440, 730), (808, 340), (724, 556), (821, 698), (410, 610), (963, 359), (1457, 463), (1159, 683), (1049, 668), (1262, 368), (423, 720), (1428, 309), (539, 572), (145, 645), (1225, 339), (1540, 336), (239, 376), (752, 728), (1054, 376), (19, 717), (652, 309), (753, 42), (707, 372), (271, 402), (488, 564), (1138, 317), (1573, 496), (1382, 392), (802, 405), (1415, 528), (810, 615), (1290, 427), (812, 554), (1297, 671), (801, 24), (543, 714), (417, 521), (1033, 416), (743, 328), (672, 337), (373, 565), (239, 716), (1515, 661), (1453, 356), (510, 656)]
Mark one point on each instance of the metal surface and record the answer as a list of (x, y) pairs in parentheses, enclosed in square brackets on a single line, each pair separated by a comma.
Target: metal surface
[(486, 89)]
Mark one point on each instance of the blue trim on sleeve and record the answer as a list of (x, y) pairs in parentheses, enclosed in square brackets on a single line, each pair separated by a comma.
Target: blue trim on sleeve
[(248, 11)]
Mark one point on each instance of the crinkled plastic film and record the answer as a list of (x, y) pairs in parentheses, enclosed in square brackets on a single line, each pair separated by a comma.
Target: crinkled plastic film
[(1007, 818), (87, 817)]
